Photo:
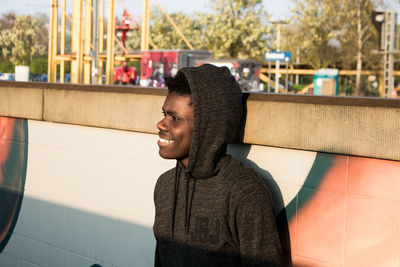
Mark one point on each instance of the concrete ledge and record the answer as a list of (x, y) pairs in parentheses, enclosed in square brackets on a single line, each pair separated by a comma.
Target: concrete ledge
[(367, 127), (352, 130), (21, 102), (124, 111)]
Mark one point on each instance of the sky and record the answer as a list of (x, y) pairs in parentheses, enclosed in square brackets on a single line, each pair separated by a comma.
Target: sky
[(278, 9)]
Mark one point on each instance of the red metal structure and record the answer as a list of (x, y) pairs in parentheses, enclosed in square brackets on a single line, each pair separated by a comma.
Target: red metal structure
[(124, 74)]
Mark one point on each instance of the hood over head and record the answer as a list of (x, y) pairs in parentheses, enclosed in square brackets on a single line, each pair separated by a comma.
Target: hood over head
[(217, 107)]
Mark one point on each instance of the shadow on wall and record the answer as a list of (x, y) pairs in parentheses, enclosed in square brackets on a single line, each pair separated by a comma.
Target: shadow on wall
[(241, 152), (47, 234)]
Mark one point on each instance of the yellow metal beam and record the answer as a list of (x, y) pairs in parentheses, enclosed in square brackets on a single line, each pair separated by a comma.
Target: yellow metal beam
[(110, 42), (50, 54), (120, 44), (174, 25), (145, 34), (62, 42), (77, 21), (101, 41), (88, 42), (53, 34), (60, 58), (312, 71)]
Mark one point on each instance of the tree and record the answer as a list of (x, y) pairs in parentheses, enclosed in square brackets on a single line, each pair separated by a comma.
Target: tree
[(7, 21), (317, 27), (236, 29), (39, 65), (165, 36), (22, 42), (359, 36)]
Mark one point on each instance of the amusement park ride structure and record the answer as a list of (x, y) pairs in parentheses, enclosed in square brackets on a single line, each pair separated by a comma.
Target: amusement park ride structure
[(124, 74), (88, 54)]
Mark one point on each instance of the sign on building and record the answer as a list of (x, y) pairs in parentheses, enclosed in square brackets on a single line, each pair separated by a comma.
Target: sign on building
[(284, 56)]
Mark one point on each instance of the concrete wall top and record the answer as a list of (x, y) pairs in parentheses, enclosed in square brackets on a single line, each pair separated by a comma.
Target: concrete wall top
[(368, 127)]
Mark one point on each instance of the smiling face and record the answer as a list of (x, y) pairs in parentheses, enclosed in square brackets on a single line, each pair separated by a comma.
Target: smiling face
[(176, 129)]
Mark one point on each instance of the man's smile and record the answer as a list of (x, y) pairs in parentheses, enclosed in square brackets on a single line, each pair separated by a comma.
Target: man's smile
[(163, 141)]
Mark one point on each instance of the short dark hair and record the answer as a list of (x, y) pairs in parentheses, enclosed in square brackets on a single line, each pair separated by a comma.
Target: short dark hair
[(178, 84)]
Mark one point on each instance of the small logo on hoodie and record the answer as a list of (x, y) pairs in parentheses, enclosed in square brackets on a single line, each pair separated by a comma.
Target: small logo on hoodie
[(205, 231)]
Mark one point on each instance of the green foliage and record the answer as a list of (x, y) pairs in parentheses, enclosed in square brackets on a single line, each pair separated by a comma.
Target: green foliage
[(363, 39), (164, 35), (326, 33), (21, 42), (6, 66), (314, 31), (39, 65), (235, 29)]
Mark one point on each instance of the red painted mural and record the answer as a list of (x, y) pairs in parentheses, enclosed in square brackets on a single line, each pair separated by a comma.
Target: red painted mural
[(13, 163), (348, 213)]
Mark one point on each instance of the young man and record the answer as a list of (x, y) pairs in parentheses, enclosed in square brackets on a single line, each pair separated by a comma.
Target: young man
[(210, 209)]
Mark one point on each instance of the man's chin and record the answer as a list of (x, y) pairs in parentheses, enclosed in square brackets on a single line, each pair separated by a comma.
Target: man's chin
[(165, 155)]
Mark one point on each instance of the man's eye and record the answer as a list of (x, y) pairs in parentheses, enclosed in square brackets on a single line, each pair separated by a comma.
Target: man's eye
[(164, 113)]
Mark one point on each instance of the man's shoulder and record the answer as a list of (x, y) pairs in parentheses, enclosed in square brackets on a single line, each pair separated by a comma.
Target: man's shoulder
[(167, 176), (165, 183), (234, 168), (236, 173)]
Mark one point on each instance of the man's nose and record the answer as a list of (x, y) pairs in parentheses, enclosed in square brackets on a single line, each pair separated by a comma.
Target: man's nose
[(161, 125)]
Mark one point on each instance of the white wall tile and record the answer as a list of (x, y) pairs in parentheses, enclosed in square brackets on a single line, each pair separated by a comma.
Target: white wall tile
[(104, 239), (80, 138), (37, 132), (52, 256), (7, 260), (135, 245), (79, 178), (35, 169), (103, 193), (77, 224), (56, 135), (29, 219), (284, 165), (76, 260), (54, 178), (136, 181), (14, 245), (53, 223), (23, 263), (31, 250)]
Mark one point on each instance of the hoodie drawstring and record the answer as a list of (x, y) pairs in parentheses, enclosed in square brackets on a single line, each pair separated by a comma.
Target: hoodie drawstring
[(188, 199), (177, 175), (189, 204)]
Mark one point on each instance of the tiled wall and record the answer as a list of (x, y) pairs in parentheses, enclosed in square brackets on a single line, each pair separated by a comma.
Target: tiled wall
[(342, 210), (88, 199)]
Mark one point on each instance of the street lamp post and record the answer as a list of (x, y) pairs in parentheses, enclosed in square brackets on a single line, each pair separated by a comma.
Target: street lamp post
[(277, 63), (278, 41)]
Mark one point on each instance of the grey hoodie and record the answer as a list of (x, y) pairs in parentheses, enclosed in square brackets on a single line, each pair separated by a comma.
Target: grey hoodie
[(215, 212)]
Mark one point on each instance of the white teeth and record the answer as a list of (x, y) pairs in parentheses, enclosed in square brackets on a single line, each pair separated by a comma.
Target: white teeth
[(162, 140)]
